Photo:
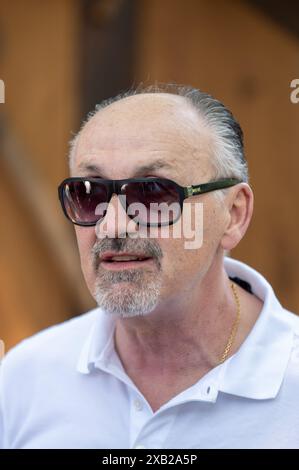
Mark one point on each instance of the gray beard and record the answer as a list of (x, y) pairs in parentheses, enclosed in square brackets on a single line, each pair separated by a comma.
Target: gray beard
[(127, 293)]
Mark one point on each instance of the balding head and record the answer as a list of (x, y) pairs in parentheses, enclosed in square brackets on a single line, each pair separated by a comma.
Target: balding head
[(144, 129), (181, 108)]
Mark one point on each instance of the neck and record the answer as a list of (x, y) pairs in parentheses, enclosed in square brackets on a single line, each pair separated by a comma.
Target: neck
[(187, 332)]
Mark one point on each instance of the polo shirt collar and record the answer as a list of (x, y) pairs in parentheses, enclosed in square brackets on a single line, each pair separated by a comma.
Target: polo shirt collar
[(255, 371), (99, 343)]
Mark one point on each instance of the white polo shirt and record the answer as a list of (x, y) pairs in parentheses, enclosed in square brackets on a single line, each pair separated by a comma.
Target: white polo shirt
[(65, 387)]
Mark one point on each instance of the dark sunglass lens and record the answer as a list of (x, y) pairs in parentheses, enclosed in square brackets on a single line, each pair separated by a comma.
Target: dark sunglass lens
[(153, 202), (81, 199)]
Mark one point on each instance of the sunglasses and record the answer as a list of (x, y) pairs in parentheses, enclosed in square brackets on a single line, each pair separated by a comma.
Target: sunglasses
[(149, 201)]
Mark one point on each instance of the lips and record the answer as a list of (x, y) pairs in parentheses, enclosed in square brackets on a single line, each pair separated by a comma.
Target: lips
[(111, 256), (119, 261)]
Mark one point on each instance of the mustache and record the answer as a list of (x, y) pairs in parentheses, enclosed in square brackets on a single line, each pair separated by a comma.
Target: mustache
[(146, 247)]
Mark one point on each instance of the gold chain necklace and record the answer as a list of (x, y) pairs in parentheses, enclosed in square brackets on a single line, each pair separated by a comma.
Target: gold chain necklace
[(234, 327)]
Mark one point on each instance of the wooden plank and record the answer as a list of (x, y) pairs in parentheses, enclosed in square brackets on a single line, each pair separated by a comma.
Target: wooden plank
[(39, 65), (236, 53)]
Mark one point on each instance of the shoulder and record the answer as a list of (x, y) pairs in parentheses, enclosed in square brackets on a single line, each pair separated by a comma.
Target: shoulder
[(291, 379), (56, 344), (292, 319), (33, 372)]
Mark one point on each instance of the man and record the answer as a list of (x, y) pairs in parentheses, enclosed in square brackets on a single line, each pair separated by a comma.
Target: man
[(187, 347)]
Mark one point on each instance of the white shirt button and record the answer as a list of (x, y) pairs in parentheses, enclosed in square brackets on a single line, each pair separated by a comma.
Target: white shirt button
[(209, 391), (138, 404)]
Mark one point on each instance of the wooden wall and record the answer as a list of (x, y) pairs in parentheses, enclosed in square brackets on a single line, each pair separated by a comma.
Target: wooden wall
[(243, 58), (40, 279)]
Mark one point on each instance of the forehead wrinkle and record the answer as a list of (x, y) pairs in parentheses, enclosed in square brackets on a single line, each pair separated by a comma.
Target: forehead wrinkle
[(137, 171), (176, 155), (103, 140), (92, 168), (154, 166), (181, 169)]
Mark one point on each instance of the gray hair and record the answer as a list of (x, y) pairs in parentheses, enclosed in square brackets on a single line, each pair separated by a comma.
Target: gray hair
[(228, 149)]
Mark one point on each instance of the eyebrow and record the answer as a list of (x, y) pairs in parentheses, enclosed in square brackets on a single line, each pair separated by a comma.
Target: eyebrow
[(157, 165), (148, 168)]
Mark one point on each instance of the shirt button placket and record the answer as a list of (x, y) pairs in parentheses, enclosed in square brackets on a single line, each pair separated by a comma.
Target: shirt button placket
[(139, 417), (138, 404)]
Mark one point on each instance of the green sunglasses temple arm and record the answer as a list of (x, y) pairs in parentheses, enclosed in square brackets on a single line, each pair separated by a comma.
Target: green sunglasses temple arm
[(206, 187)]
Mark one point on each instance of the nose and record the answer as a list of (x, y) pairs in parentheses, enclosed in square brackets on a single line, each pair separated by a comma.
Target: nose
[(115, 222)]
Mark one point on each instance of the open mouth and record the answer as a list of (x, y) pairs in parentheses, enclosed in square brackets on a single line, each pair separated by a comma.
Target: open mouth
[(125, 262)]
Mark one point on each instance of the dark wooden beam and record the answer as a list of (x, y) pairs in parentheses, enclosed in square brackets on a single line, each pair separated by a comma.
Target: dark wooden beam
[(107, 49), (285, 13)]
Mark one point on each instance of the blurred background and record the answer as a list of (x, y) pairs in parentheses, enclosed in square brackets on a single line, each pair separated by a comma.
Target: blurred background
[(58, 58)]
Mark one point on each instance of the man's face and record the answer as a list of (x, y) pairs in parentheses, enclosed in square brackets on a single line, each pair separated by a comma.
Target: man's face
[(146, 135)]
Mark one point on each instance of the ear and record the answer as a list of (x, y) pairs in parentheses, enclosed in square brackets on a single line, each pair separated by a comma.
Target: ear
[(240, 206)]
